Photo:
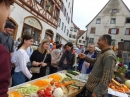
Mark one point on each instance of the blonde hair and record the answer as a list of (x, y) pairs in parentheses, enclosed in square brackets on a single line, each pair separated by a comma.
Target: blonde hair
[(40, 48)]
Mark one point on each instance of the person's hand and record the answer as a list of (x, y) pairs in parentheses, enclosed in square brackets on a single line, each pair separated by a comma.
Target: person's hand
[(94, 95), (37, 63), (87, 65), (82, 56), (52, 64), (43, 64)]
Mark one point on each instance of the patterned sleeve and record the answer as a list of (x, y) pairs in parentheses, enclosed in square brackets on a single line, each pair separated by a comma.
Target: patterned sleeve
[(90, 60), (108, 70)]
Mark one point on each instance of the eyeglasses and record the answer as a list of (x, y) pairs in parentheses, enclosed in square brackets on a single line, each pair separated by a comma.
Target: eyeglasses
[(12, 7)]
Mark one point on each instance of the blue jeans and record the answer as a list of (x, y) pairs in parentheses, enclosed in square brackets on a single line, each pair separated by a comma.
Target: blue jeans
[(18, 78)]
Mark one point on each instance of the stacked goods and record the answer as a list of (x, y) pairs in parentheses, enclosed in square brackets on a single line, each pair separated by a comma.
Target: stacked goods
[(42, 83), (56, 85), (118, 87)]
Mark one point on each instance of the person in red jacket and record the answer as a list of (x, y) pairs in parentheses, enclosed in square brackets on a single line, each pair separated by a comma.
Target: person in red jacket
[(5, 61)]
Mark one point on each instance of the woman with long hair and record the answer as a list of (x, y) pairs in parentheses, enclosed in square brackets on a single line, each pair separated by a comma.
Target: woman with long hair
[(21, 72), (37, 57), (68, 58)]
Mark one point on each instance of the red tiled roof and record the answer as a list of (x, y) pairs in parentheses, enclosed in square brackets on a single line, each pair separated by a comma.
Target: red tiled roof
[(80, 33), (75, 26)]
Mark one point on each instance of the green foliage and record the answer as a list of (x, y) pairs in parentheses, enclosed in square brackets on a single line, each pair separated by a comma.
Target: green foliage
[(122, 69), (120, 60)]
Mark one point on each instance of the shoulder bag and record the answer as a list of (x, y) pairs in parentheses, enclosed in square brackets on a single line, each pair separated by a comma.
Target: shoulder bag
[(37, 69)]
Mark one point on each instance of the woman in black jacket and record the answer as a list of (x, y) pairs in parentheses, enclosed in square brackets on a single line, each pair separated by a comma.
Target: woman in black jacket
[(68, 58), (38, 56)]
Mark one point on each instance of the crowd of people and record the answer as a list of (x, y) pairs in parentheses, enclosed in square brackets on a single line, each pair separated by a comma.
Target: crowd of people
[(99, 66)]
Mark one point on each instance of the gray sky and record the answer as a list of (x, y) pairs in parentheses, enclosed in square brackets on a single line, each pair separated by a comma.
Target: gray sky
[(86, 10)]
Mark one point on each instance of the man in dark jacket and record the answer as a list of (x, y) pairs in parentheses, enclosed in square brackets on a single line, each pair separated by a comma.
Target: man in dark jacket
[(5, 56)]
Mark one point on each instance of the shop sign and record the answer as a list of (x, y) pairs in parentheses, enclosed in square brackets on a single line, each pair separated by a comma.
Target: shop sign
[(33, 22)]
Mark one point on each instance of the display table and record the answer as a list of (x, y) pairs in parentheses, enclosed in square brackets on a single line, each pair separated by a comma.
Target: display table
[(71, 91)]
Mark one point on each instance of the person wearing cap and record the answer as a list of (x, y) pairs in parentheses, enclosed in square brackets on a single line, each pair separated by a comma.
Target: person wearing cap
[(4, 54), (5, 37)]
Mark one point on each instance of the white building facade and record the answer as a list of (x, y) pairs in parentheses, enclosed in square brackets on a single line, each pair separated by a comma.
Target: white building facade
[(73, 33), (82, 39), (64, 23), (113, 19), (40, 18)]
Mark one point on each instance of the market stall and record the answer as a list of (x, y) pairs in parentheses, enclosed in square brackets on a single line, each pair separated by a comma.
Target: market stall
[(62, 84)]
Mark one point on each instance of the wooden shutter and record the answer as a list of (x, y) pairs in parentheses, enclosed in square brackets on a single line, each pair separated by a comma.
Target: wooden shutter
[(109, 31), (92, 30), (129, 31), (117, 31)]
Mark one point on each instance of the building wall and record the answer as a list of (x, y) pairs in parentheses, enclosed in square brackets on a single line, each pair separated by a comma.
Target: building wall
[(82, 39), (19, 14), (65, 32), (105, 16), (73, 32)]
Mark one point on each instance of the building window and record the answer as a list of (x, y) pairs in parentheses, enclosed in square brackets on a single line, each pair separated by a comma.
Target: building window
[(115, 10), (49, 5), (62, 26), (82, 37), (59, 22), (127, 31), (128, 20), (41, 2), (62, 6), (64, 29), (74, 36), (83, 42), (75, 30), (113, 42), (67, 32), (98, 21), (91, 40), (69, 35), (68, 20), (69, 5), (56, 13), (67, 16), (113, 21), (79, 41), (113, 31), (126, 45), (92, 30), (35, 32), (71, 29), (65, 12)]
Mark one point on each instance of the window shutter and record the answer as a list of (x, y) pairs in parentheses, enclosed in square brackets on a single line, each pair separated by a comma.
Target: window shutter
[(129, 31), (117, 31), (109, 32)]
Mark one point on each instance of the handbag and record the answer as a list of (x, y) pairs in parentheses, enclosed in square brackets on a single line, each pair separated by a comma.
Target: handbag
[(37, 69), (29, 65)]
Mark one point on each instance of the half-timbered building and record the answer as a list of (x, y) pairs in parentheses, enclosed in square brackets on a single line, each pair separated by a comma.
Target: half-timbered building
[(37, 17)]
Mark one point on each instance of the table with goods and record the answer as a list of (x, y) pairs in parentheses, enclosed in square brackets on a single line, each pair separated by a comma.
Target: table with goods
[(61, 84), (66, 84)]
